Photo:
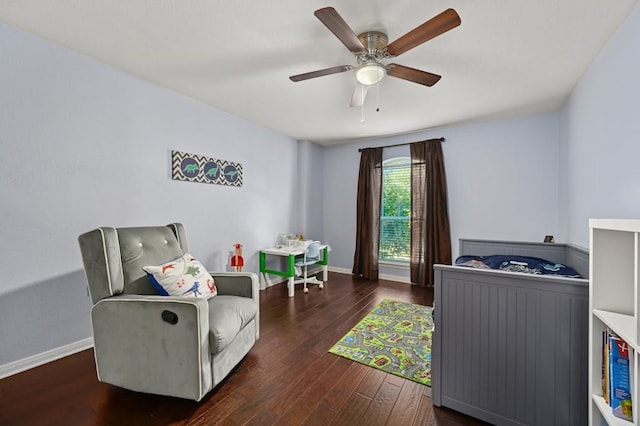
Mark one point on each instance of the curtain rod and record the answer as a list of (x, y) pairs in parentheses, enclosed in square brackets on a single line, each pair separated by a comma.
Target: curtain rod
[(400, 144)]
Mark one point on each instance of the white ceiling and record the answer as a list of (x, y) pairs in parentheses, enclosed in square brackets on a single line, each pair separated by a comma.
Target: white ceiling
[(507, 58)]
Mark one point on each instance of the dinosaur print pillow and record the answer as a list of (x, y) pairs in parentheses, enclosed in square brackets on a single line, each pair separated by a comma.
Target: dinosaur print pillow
[(184, 276)]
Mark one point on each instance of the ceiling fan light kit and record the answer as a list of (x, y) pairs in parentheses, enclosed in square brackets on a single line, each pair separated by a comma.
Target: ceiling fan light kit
[(370, 73), (371, 48)]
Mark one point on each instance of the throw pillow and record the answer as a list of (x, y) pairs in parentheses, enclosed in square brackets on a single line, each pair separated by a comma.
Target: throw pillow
[(184, 276)]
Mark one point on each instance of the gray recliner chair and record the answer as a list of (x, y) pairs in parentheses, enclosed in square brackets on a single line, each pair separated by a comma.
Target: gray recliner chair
[(166, 345)]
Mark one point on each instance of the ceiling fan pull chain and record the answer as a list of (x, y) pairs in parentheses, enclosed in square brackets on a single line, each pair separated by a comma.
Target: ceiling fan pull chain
[(378, 97), (362, 104)]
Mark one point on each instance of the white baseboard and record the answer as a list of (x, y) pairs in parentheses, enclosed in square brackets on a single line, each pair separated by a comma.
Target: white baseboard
[(267, 280), (396, 278), (33, 361), (387, 277), (339, 270)]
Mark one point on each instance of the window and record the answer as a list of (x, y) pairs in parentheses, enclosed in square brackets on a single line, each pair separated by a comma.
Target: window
[(395, 224)]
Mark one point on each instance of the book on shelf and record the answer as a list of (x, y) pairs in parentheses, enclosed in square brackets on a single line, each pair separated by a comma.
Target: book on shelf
[(605, 365), (616, 372)]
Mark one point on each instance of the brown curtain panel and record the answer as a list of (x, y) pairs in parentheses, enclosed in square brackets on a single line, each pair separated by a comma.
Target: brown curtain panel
[(365, 259), (430, 234)]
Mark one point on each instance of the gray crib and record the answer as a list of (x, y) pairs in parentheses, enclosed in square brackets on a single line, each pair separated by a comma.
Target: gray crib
[(511, 348)]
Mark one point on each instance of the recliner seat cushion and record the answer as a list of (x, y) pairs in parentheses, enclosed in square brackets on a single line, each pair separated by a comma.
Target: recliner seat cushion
[(227, 316)]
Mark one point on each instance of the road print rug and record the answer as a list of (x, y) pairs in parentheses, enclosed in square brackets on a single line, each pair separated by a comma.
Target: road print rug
[(395, 337)]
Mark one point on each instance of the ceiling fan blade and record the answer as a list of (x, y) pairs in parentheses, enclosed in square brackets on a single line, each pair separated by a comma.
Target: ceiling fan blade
[(320, 73), (359, 93), (437, 25), (332, 20), (412, 74)]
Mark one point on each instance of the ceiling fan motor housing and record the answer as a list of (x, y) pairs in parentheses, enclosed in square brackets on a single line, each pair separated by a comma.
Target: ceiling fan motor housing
[(375, 43)]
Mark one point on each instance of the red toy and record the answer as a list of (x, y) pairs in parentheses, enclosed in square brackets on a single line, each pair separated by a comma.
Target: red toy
[(236, 260)]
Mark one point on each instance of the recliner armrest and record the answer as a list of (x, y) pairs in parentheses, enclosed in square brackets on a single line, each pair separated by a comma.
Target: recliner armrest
[(147, 342), (244, 284)]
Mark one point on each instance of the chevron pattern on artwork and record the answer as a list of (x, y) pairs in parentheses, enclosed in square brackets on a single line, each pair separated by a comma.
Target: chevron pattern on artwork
[(198, 168)]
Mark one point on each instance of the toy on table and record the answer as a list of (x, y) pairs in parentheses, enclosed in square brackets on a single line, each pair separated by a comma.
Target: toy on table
[(236, 260)]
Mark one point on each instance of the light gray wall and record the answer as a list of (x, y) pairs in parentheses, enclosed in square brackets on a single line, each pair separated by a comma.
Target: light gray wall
[(310, 195), (502, 180), (600, 138), (85, 145)]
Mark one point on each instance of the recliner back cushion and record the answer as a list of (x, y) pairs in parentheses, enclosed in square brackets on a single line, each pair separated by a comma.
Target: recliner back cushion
[(141, 247)]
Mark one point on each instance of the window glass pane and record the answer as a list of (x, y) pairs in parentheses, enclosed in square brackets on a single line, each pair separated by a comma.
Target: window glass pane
[(395, 235)]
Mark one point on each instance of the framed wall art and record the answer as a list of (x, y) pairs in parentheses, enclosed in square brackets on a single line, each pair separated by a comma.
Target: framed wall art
[(198, 168)]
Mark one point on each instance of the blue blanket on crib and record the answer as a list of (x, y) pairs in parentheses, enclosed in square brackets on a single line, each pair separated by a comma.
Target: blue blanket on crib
[(526, 264)]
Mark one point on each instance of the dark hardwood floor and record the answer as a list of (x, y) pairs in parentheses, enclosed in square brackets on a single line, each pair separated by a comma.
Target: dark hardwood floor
[(288, 378)]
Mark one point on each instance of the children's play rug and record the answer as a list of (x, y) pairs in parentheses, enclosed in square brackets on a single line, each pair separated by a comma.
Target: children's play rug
[(395, 337)]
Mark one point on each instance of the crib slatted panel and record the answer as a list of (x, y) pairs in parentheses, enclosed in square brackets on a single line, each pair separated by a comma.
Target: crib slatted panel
[(510, 351)]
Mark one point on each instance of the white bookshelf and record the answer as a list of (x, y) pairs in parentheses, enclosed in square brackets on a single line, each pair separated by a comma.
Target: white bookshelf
[(613, 303)]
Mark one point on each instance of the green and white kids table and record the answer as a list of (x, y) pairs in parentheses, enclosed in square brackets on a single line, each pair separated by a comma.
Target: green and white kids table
[(290, 253)]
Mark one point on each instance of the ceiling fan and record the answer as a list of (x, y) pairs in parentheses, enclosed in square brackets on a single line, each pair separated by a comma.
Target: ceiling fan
[(372, 47)]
